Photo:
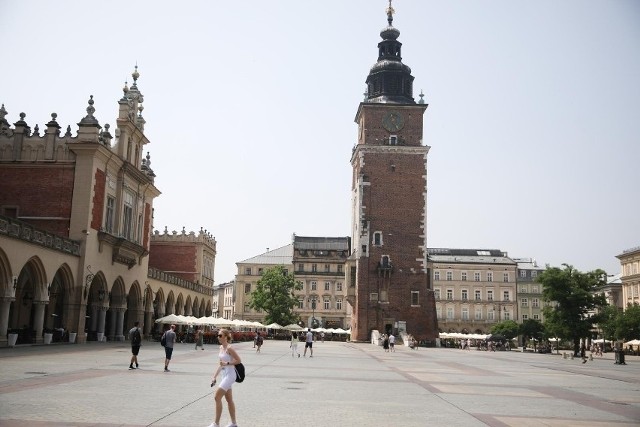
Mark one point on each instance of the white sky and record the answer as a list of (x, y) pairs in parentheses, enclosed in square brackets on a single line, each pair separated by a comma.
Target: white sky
[(533, 118)]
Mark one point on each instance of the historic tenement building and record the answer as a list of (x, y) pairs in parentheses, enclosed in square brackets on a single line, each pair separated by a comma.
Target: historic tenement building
[(388, 284), (474, 288), (630, 263), (76, 218), (318, 263), (250, 271), (529, 291)]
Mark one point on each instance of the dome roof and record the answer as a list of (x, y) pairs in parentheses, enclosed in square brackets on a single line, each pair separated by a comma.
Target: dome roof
[(390, 33)]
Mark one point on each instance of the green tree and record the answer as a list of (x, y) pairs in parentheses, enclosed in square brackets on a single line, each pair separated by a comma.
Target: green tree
[(629, 328), (506, 328), (609, 321), (531, 329), (274, 295), (575, 300)]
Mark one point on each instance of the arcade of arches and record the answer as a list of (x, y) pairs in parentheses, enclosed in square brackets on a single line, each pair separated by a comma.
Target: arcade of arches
[(39, 295)]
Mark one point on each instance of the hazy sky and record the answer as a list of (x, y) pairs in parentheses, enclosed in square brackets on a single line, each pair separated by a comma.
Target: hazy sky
[(533, 118)]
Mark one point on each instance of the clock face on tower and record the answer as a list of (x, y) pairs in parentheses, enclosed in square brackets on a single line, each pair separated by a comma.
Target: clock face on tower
[(393, 121)]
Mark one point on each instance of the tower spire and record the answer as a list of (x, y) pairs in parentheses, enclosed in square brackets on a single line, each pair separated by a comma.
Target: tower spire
[(390, 12)]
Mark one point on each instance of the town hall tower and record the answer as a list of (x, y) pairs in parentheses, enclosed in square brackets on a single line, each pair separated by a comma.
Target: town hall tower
[(389, 287)]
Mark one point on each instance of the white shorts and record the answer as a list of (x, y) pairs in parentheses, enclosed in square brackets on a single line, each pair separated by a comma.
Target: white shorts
[(228, 378)]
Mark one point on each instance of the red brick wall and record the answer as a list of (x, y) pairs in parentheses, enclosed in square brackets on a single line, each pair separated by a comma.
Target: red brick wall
[(39, 190), (394, 204), (172, 257), (99, 189)]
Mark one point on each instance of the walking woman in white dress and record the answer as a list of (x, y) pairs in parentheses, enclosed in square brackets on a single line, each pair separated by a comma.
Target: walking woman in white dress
[(228, 359)]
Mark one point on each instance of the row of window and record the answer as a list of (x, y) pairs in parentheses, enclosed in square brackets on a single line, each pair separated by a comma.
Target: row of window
[(312, 286), (491, 314), (314, 268), (524, 302), (479, 315), (464, 294), (248, 271), (477, 276), (326, 304)]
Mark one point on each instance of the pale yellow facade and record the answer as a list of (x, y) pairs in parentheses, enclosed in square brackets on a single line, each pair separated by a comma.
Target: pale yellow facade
[(630, 265), (473, 289)]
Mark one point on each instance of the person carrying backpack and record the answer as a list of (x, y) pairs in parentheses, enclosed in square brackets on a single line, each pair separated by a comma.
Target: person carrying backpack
[(135, 336), (229, 361)]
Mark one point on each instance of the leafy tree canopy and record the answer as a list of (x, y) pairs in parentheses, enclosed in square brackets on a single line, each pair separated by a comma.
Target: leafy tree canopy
[(274, 295), (574, 299), (531, 328), (507, 328), (630, 323)]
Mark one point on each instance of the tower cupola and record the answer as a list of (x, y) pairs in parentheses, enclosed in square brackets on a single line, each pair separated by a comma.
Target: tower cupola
[(389, 80)]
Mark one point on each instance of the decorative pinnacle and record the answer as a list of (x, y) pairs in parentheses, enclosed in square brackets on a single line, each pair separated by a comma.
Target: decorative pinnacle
[(135, 75), (390, 12), (90, 108)]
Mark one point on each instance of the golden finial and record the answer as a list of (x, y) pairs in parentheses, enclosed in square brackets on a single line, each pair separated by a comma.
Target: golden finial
[(390, 12)]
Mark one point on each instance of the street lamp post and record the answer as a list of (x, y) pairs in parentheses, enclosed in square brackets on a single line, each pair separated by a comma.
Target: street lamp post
[(312, 300)]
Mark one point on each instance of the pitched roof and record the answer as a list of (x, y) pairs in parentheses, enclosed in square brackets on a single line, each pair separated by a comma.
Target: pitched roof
[(472, 256), (280, 256)]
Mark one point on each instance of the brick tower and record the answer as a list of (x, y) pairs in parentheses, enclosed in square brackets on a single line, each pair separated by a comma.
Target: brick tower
[(389, 287)]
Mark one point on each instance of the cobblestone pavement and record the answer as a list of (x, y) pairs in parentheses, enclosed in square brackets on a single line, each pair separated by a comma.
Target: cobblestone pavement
[(344, 384)]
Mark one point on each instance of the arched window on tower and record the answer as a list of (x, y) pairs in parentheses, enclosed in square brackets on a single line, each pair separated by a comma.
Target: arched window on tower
[(377, 238)]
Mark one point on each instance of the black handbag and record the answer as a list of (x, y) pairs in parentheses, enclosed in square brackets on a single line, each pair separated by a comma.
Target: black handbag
[(239, 372)]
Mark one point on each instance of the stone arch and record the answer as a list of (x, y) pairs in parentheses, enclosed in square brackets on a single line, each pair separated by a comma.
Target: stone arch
[(209, 309), (118, 294), (97, 306), (98, 290), (58, 314), (135, 308), (170, 305), (115, 314), (180, 304), (6, 279), (26, 311), (188, 306)]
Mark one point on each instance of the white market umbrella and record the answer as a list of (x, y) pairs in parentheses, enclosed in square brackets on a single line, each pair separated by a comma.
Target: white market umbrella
[(219, 321), (171, 318), (273, 326), (632, 342), (293, 327), (191, 320)]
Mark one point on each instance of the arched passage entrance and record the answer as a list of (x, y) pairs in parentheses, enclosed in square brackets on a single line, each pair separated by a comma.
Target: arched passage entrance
[(59, 316), (26, 312), (97, 306)]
